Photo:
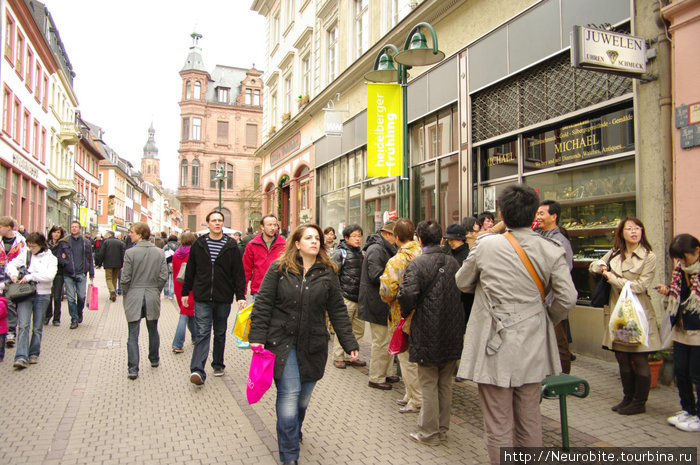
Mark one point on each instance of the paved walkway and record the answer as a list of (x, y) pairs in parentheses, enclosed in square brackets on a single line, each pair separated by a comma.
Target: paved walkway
[(78, 407)]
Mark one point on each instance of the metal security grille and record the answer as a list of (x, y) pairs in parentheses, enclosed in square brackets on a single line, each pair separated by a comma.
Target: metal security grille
[(548, 90)]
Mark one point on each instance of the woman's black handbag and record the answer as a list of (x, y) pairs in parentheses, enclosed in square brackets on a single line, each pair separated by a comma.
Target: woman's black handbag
[(18, 292), (601, 294)]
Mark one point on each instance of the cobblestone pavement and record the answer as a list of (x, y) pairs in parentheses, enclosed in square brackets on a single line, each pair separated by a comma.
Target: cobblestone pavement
[(76, 406)]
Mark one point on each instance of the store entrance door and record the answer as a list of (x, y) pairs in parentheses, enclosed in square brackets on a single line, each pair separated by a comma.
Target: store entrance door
[(284, 220)]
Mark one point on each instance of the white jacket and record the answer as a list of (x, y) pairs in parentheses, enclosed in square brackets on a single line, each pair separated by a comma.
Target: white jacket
[(42, 270)]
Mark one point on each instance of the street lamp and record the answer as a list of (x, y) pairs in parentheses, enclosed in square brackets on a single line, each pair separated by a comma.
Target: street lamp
[(79, 200), (220, 176), (415, 53)]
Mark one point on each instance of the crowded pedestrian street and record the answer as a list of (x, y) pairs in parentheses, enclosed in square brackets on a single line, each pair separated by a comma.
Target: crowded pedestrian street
[(77, 406)]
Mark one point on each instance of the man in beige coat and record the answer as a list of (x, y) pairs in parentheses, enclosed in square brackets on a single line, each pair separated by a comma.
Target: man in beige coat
[(510, 345), (143, 277)]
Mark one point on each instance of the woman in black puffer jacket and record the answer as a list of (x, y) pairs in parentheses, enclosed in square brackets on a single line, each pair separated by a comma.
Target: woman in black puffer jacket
[(437, 328), (289, 319)]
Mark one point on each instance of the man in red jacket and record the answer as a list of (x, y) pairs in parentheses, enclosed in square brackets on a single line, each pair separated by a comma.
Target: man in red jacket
[(261, 251)]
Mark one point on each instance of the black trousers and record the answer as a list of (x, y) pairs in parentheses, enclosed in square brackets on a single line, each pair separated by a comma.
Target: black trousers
[(54, 308)]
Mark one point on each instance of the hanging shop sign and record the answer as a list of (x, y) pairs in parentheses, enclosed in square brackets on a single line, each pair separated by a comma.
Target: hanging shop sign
[(592, 137), (384, 130), (601, 50)]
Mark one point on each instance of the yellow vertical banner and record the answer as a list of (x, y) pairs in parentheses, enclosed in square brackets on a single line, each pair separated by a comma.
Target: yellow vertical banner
[(384, 130), (83, 216)]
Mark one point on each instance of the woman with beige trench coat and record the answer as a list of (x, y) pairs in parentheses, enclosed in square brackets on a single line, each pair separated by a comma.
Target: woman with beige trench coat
[(633, 261), (143, 277)]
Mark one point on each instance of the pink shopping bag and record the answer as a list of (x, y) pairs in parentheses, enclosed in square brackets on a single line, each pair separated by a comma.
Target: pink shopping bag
[(93, 298), (262, 368)]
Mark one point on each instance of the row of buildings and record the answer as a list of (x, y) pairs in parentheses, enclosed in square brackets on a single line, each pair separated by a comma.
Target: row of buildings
[(505, 105), (54, 165)]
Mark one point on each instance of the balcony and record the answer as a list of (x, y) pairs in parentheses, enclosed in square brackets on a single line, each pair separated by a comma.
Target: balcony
[(69, 134), (64, 187)]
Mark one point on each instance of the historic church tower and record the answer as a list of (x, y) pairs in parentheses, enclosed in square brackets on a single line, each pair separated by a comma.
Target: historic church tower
[(150, 165)]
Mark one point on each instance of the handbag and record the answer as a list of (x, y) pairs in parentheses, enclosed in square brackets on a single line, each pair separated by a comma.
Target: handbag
[(262, 369), (94, 298), (399, 340), (241, 327), (601, 293), (18, 292), (181, 274)]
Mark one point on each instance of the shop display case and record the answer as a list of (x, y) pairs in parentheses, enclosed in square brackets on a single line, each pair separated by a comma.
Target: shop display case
[(593, 200)]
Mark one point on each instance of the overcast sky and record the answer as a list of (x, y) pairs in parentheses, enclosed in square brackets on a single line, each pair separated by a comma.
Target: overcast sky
[(127, 56)]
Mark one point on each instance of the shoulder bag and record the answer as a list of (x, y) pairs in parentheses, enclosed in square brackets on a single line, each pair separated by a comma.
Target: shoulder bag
[(526, 261), (18, 292), (601, 293)]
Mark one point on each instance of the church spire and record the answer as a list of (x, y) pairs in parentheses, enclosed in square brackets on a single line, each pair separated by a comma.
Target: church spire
[(150, 150)]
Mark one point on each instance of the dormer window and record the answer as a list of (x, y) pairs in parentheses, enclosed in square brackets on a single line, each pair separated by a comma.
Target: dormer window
[(222, 94), (252, 97)]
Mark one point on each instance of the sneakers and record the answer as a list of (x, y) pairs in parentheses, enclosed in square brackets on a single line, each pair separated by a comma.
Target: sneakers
[(10, 340), (178, 351), (425, 440), (132, 375), (155, 364), (692, 425), (678, 417), (33, 359), (20, 364), (218, 372), (73, 325), (196, 378)]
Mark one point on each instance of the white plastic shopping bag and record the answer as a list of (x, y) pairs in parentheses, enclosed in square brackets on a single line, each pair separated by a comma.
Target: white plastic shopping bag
[(628, 322)]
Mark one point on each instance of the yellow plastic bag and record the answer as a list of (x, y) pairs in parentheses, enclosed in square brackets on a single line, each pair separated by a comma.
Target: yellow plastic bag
[(241, 327), (628, 322)]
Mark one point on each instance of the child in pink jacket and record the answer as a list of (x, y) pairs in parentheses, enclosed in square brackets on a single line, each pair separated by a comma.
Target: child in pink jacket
[(3, 326)]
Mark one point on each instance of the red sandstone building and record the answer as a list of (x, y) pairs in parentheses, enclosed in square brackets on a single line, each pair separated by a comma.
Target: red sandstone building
[(221, 120)]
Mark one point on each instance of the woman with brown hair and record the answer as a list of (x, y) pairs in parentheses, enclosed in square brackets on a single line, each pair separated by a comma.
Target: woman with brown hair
[(186, 321), (289, 319), (630, 260), (56, 233)]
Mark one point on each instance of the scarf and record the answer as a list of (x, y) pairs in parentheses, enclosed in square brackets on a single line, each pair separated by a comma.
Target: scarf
[(692, 303)]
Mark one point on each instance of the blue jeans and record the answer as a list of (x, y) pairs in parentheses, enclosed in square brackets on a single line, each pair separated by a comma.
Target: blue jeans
[(30, 312), (293, 398), (75, 292), (132, 345), (206, 315), (185, 322), (686, 367)]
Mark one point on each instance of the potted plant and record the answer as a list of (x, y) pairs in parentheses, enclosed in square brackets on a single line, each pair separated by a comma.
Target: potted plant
[(286, 117), (656, 360), (272, 131), (303, 100)]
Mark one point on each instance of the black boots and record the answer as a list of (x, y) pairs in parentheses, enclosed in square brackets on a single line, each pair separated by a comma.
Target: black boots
[(627, 379), (641, 392)]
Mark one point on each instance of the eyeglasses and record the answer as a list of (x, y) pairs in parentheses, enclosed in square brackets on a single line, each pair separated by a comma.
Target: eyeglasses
[(633, 228), (355, 236)]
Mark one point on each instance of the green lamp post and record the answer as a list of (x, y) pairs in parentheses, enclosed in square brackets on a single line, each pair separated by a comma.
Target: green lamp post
[(220, 176), (415, 53)]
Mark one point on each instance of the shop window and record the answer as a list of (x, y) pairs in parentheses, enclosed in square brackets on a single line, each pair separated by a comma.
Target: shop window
[(449, 191), (423, 178), (498, 160), (594, 199)]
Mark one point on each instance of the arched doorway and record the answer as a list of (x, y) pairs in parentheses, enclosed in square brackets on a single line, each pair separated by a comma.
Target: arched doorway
[(227, 217), (284, 202)]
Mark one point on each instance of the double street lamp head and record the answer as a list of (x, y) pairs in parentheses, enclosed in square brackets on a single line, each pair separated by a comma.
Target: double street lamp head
[(415, 53)]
